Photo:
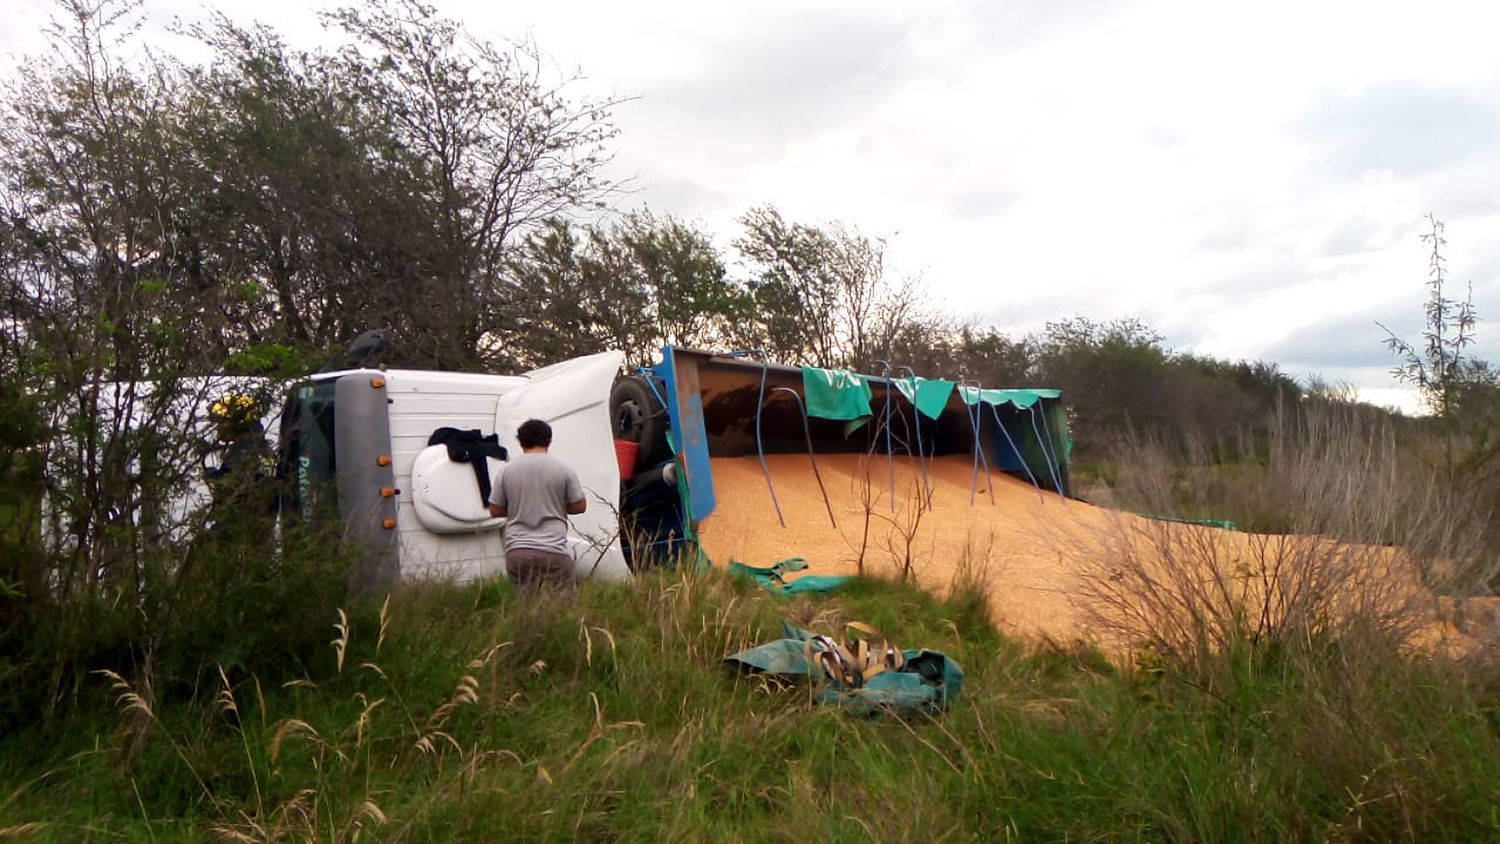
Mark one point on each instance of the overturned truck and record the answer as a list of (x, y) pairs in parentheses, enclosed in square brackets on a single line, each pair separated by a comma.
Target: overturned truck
[(404, 458)]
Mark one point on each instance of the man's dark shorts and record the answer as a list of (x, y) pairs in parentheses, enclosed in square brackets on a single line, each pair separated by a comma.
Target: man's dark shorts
[(529, 569)]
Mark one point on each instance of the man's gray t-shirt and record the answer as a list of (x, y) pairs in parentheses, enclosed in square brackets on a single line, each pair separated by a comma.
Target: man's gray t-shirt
[(535, 490)]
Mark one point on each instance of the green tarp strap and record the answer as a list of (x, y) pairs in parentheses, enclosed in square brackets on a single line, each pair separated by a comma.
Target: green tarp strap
[(1021, 399), (927, 395), (836, 394), (928, 681), (772, 577)]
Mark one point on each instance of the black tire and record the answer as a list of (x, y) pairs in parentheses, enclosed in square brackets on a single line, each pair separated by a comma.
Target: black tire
[(635, 415)]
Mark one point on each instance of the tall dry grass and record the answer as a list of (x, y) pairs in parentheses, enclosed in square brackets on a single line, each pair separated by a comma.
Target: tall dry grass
[(1329, 629), (1357, 540), (1321, 468)]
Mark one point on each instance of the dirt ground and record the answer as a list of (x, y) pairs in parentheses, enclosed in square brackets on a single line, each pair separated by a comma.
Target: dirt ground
[(1028, 549)]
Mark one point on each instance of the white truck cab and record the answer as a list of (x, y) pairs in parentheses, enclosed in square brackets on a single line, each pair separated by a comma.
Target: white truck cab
[(362, 435)]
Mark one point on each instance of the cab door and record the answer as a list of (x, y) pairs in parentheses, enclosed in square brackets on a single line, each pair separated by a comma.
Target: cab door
[(573, 397)]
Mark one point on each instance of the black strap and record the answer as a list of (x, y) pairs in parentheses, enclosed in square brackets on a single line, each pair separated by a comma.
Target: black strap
[(471, 446)]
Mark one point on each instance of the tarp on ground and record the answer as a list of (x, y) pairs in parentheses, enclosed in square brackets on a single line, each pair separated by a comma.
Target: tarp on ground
[(773, 578), (928, 680)]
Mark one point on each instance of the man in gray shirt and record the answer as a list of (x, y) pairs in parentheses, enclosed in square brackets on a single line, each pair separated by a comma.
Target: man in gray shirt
[(535, 495)]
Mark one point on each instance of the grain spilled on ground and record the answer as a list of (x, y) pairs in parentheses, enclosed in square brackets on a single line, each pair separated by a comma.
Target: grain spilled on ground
[(1021, 545)]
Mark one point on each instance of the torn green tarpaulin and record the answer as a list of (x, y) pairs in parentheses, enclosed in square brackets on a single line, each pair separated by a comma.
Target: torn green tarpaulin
[(1223, 524), (836, 394), (771, 577), (928, 395), (928, 681), (1020, 398)]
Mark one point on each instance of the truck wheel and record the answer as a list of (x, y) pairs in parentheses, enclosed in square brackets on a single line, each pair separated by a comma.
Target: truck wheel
[(635, 415)]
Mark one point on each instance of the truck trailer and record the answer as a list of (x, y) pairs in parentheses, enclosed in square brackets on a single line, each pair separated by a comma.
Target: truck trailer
[(365, 443)]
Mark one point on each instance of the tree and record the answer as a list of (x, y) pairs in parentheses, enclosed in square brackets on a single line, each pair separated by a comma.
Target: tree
[(564, 299), (642, 283), (304, 210), (108, 314), (161, 222), (822, 295), (1461, 391), (384, 183), (692, 300), (1110, 374), (490, 148), (1441, 371)]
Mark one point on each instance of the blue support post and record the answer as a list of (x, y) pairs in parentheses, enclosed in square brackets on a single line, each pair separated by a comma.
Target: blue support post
[(916, 415), (890, 455), (973, 411), (998, 424), (1046, 453), (1052, 453), (807, 433)]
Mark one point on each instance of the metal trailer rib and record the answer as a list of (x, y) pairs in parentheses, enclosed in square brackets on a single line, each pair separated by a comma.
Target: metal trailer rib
[(972, 412), (916, 415), (760, 450), (890, 456), (807, 433), (1046, 453), (998, 424), (1048, 445)]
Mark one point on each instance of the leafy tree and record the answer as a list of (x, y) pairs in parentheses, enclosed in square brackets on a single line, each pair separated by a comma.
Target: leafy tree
[(822, 295), (107, 314), (994, 359), (161, 221), (692, 300), (304, 206), (644, 282), (1110, 372), (383, 184), (489, 148), (565, 299)]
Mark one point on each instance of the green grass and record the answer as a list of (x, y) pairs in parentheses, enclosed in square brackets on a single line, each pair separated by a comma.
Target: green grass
[(613, 719)]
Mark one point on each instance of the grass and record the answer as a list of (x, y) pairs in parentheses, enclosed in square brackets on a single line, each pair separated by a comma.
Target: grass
[(459, 714)]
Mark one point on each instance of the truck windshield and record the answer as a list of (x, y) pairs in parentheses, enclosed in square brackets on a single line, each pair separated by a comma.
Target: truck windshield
[(307, 460)]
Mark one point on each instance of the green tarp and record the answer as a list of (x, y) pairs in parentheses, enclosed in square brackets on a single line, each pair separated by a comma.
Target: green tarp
[(1053, 424), (836, 394), (928, 395), (771, 577), (928, 681), (1020, 398), (1223, 524)]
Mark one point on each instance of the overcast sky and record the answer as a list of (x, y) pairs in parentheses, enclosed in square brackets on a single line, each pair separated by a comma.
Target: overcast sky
[(1248, 178)]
